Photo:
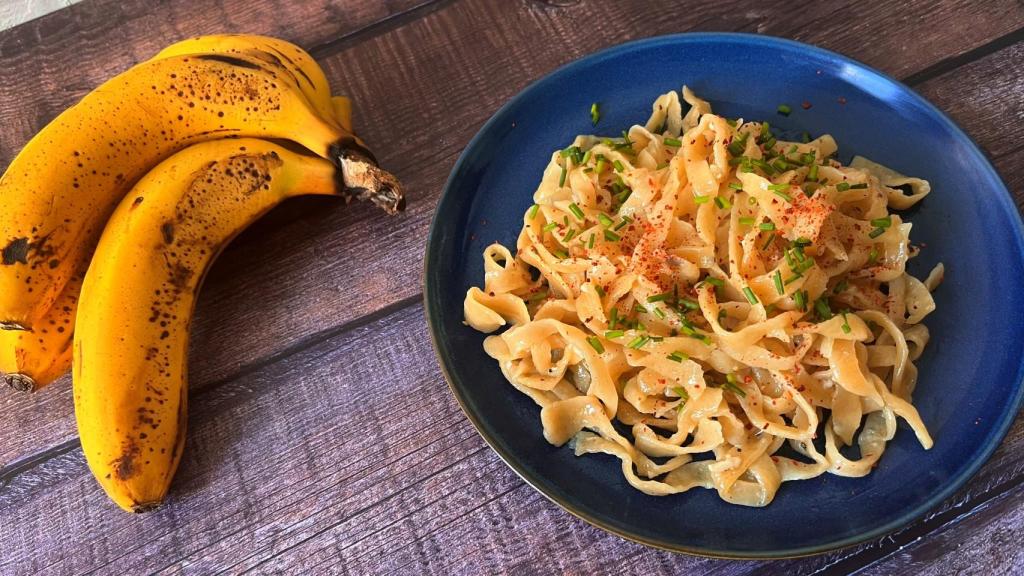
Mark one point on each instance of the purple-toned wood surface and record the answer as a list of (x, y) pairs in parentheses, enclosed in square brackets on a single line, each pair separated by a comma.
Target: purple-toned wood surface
[(323, 437)]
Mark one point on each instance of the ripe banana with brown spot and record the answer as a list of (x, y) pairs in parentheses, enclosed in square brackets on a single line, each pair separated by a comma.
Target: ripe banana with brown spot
[(285, 56), (62, 187), (131, 343), (30, 361)]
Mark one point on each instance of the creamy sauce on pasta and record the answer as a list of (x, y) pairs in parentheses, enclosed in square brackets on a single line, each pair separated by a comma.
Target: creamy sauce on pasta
[(697, 295)]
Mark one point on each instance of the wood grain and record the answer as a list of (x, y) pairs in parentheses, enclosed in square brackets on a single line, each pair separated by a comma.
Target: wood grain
[(303, 467), (309, 272), (323, 438)]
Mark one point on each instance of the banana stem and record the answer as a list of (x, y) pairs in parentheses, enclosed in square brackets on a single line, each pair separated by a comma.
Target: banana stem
[(20, 382), (363, 179)]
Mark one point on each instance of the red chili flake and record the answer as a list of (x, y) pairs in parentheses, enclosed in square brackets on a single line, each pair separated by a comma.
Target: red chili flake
[(842, 100), (805, 105)]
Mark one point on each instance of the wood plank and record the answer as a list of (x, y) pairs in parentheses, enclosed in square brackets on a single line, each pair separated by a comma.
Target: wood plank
[(49, 63), (309, 271), (987, 541), (353, 456)]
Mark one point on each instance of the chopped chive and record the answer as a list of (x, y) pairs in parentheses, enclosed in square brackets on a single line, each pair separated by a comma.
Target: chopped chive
[(778, 282), (846, 324), (766, 129), (802, 241), (764, 166), (800, 299), (565, 220), (752, 201), (611, 236), (613, 334), (569, 235), (679, 390), (561, 179), (731, 122), (577, 212), (688, 303), (586, 157), (809, 188), (876, 233), (734, 389), (791, 149), (605, 220), (747, 220), (595, 114), (716, 282), (661, 166), (550, 226), (840, 287), (613, 318), (637, 342), (673, 142), (784, 109), (601, 163), (780, 165), (600, 291), (767, 226), (538, 296), (843, 186), (778, 187), (735, 185), (590, 241), (882, 222), (722, 203), (659, 297), (807, 158), (561, 254), (639, 309), (860, 186), (659, 313), (792, 279), (678, 357), (618, 166), (737, 160), (596, 344), (873, 256), (770, 143), (822, 309), (533, 211), (621, 197), (697, 198), (750, 295), (812, 174), (768, 242), (805, 137), (782, 194), (737, 146), (626, 220)]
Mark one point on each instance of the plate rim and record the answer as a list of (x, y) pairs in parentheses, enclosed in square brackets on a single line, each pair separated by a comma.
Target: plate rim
[(433, 315)]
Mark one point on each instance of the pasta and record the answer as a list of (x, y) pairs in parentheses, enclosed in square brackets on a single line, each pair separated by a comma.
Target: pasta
[(701, 299)]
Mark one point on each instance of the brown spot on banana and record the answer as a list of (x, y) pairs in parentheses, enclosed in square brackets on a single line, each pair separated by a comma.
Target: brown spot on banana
[(167, 230), (16, 252), (125, 466)]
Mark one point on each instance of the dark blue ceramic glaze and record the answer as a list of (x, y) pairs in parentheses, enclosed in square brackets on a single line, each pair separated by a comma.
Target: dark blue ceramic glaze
[(969, 388)]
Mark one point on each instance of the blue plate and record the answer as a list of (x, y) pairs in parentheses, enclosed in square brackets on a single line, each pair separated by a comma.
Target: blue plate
[(970, 385)]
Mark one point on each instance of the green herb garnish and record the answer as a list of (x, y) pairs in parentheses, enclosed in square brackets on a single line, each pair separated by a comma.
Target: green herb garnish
[(596, 344)]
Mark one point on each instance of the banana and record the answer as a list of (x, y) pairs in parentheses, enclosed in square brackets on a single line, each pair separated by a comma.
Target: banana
[(64, 184), (31, 360), (343, 111), (292, 60), (131, 342)]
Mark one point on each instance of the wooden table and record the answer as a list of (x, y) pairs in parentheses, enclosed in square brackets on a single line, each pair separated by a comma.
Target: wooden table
[(322, 435)]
